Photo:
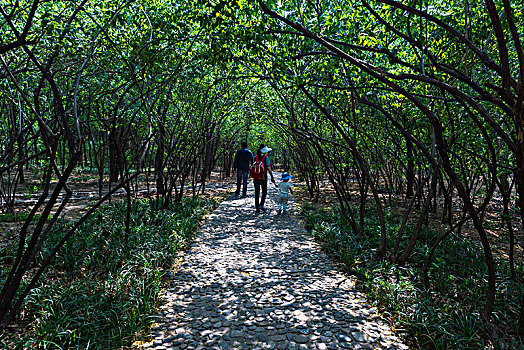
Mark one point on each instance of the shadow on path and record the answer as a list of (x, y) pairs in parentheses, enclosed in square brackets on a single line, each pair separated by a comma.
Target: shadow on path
[(258, 281)]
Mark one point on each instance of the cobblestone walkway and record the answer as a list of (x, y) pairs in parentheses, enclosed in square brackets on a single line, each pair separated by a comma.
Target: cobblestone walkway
[(258, 281)]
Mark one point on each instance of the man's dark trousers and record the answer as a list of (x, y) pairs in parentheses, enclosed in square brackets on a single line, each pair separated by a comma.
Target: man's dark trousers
[(242, 176)]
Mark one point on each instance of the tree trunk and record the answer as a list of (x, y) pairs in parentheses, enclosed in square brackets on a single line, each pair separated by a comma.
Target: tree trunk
[(114, 157), (159, 161), (521, 320), (411, 245), (519, 125), (410, 173)]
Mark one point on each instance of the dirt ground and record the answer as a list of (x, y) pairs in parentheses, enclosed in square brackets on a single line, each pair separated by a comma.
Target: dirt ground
[(85, 189), (85, 194), (497, 232)]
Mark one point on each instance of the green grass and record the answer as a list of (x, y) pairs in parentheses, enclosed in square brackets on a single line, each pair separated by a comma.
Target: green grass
[(103, 286), (445, 319), (17, 217)]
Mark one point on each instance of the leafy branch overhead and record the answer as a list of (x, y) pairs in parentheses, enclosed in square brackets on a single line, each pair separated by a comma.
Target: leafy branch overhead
[(414, 108)]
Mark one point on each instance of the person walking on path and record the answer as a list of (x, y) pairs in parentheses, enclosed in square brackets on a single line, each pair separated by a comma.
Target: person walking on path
[(241, 165), (285, 188), (262, 182)]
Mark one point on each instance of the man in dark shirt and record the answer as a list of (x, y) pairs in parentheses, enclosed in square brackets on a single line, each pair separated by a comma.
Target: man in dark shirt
[(241, 164)]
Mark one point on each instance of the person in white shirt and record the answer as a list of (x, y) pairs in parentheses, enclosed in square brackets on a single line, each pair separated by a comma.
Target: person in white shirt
[(285, 188)]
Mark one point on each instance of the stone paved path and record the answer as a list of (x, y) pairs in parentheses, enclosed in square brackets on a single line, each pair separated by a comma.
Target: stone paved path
[(258, 281)]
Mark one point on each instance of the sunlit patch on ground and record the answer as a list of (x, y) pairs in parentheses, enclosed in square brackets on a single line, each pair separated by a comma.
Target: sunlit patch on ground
[(258, 281)]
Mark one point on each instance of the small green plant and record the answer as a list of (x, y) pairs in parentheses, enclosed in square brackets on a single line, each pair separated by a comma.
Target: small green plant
[(30, 190), (445, 317), (17, 217), (104, 284)]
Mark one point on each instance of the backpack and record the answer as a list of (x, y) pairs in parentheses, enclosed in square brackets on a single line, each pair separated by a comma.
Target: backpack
[(258, 169)]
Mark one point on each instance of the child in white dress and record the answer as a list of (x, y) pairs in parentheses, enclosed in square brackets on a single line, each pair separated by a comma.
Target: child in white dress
[(285, 188)]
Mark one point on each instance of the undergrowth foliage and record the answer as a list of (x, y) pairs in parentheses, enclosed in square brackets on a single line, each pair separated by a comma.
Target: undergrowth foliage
[(447, 319), (104, 285)]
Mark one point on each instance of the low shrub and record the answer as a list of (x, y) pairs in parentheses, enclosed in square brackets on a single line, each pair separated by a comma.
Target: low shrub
[(446, 317), (17, 217), (103, 286)]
